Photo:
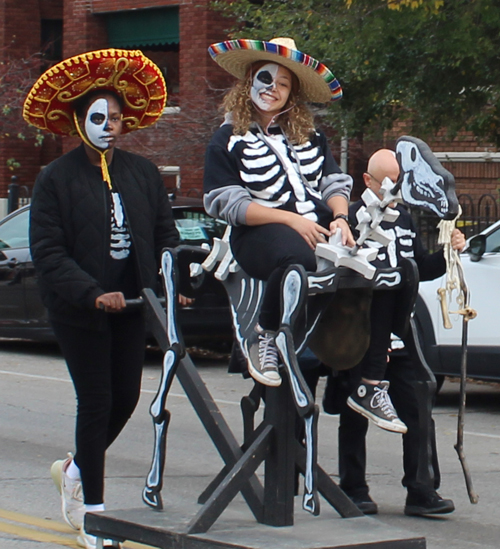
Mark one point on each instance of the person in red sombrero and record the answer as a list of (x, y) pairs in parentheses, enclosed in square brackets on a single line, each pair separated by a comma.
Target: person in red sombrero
[(100, 217), (271, 175)]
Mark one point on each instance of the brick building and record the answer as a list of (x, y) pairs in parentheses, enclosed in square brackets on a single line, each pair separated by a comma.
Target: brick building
[(175, 34)]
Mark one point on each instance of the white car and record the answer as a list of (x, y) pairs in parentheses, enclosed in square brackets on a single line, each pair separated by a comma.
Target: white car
[(442, 347)]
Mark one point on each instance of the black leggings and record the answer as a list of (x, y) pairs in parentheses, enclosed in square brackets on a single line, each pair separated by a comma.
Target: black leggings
[(265, 252), (106, 369)]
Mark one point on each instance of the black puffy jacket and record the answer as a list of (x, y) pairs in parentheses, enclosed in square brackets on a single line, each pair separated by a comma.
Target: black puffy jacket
[(70, 230)]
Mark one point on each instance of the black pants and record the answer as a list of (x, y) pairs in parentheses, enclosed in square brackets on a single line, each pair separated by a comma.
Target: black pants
[(265, 252), (353, 428), (373, 365), (106, 369)]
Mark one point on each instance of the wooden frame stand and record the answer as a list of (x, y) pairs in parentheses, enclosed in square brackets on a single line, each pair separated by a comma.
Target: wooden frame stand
[(274, 442)]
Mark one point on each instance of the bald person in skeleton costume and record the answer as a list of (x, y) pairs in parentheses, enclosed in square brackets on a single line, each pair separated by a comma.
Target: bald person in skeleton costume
[(371, 397), (396, 367)]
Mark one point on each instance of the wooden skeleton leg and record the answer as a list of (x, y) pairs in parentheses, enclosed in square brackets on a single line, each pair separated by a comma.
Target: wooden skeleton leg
[(294, 295), (310, 501), (151, 494)]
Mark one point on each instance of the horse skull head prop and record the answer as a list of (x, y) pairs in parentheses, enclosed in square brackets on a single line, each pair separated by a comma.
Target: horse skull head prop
[(423, 181)]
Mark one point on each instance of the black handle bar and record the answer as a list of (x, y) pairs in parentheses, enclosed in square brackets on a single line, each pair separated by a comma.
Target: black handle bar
[(135, 303)]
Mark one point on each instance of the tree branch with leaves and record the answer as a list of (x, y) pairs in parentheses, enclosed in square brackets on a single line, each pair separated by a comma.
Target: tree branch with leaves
[(432, 63)]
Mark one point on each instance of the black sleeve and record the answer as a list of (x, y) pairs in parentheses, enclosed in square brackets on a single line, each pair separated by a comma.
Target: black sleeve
[(220, 169), (54, 266), (430, 266), (353, 222)]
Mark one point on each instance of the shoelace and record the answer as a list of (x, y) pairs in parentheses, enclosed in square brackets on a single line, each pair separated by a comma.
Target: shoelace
[(77, 492), (73, 487), (268, 354), (381, 400)]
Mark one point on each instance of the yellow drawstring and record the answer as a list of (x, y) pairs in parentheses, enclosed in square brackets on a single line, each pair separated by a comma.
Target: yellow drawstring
[(104, 169), (104, 163)]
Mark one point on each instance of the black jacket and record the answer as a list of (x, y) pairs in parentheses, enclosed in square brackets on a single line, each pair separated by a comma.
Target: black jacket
[(70, 230)]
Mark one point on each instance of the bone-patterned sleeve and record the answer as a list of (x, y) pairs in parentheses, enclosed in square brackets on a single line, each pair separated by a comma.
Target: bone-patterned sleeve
[(333, 182), (269, 170)]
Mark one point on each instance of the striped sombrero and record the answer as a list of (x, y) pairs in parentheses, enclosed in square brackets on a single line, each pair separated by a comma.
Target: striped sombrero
[(140, 83), (317, 82)]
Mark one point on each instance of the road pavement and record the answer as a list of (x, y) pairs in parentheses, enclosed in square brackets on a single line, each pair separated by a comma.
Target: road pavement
[(37, 409)]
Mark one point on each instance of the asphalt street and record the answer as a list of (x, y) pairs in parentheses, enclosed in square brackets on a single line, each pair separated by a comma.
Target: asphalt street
[(37, 409)]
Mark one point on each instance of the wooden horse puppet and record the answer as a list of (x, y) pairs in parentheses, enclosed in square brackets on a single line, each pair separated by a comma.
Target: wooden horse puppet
[(343, 281)]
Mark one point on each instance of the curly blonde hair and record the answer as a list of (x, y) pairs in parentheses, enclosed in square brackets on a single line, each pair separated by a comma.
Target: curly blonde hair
[(297, 123)]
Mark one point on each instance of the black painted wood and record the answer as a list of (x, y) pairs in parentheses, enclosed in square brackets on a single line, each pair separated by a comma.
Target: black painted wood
[(327, 487), (249, 405), (279, 472), (218, 430), (273, 442), (273, 504), (167, 530), (210, 489), (232, 483)]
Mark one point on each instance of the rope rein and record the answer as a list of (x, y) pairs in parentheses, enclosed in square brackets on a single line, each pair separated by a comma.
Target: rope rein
[(454, 281)]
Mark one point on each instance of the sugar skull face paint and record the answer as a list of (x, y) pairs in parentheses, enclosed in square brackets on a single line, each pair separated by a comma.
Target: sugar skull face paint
[(103, 122), (96, 123), (271, 87)]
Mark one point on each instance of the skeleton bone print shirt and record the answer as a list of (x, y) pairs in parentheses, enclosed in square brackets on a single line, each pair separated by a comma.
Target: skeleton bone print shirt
[(267, 170), (120, 267), (120, 235), (406, 245)]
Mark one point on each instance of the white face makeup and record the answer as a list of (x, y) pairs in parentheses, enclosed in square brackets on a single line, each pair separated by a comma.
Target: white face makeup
[(263, 82), (96, 122)]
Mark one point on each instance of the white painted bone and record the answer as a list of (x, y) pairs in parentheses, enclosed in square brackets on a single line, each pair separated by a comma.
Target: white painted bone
[(341, 256)]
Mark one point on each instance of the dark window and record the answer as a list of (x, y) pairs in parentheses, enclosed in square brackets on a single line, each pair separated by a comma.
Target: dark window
[(14, 232), (51, 41), (493, 242), (156, 33)]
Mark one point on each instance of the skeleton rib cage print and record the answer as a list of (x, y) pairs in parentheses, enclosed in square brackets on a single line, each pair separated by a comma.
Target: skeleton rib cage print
[(273, 178), (298, 178)]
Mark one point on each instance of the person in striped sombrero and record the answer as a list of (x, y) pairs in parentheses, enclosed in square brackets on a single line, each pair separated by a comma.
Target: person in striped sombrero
[(271, 175)]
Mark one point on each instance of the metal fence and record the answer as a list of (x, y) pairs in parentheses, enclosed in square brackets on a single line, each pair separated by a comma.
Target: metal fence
[(18, 195), (476, 216)]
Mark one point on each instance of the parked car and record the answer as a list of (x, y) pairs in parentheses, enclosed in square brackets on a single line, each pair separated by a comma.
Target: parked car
[(441, 346), (22, 314)]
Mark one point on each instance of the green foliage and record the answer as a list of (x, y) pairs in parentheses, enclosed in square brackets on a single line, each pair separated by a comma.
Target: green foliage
[(12, 164), (17, 75), (39, 137), (434, 63)]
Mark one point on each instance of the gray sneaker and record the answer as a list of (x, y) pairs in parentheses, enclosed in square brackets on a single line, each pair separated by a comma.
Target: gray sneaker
[(374, 403), (262, 357)]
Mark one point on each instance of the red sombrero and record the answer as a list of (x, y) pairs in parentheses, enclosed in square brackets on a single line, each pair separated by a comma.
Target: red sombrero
[(140, 83)]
